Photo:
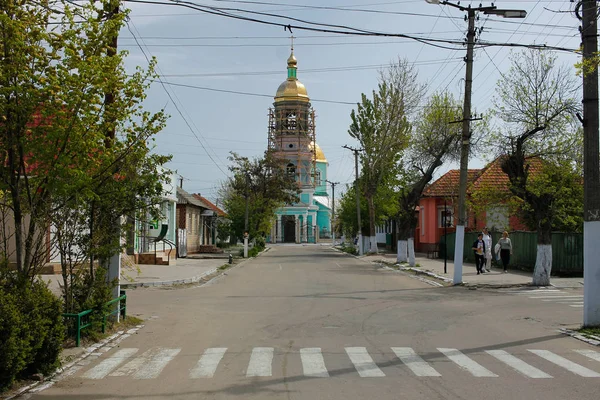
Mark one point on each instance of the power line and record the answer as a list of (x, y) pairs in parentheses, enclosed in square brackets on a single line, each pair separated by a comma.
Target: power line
[(175, 104)]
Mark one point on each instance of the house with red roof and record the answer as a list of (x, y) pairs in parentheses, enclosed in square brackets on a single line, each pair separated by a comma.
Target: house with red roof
[(439, 205)]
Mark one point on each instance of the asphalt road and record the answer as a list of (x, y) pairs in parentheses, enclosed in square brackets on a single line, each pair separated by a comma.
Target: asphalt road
[(308, 322)]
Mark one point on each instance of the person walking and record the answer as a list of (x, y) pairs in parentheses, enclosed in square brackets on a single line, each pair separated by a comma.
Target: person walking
[(479, 250), (506, 250), (487, 239)]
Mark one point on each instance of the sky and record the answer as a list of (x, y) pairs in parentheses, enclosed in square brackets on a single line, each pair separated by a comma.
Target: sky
[(218, 75)]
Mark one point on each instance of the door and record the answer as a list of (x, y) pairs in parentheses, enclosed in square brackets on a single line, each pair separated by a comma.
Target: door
[(289, 229)]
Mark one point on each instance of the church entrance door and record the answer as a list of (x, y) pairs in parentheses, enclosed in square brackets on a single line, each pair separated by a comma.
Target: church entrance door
[(289, 229)]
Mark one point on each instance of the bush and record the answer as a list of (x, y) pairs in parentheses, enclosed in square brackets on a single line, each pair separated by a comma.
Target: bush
[(260, 243), (92, 294), (253, 252), (349, 249), (31, 328)]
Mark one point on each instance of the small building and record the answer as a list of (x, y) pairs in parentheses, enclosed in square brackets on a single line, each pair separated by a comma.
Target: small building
[(439, 205)]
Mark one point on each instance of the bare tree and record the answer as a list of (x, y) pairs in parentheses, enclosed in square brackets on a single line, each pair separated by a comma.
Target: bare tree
[(537, 101)]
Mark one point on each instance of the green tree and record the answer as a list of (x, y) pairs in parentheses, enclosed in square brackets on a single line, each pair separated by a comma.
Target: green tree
[(72, 160), (381, 127), (537, 101), (435, 139), (264, 185)]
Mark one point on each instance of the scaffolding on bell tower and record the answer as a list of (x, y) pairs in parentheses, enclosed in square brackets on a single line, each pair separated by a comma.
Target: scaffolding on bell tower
[(292, 137)]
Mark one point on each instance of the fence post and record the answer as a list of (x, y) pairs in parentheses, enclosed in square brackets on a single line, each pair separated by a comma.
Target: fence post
[(77, 330)]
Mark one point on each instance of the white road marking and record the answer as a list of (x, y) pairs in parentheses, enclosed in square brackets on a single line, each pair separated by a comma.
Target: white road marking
[(538, 292), (413, 361), (594, 355), (556, 297), (261, 362), (154, 366), (208, 363), (577, 306), (313, 363), (364, 364), (566, 364), (148, 365), (106, 366), (466, 363), (518, 364)]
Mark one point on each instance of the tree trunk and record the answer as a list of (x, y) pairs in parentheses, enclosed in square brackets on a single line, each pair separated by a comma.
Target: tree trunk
[(402, 255), (543, 259), (372, 234), (404, 234), (411, 252)]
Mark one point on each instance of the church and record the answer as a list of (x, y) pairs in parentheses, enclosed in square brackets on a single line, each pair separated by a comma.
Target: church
[(292, 138)]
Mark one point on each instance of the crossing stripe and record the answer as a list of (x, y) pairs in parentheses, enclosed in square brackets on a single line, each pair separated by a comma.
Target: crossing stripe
[(566, 364), (364, 364), (208, 363), (261, 362), (413, 361), (577, 305), (154, 366), (149, 365), (594, 355), (105, 367), (467, 364), (556, 297), (313, 363), (518, 365)]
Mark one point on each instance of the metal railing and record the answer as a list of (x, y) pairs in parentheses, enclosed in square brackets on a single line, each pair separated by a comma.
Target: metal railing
[(82, 320)]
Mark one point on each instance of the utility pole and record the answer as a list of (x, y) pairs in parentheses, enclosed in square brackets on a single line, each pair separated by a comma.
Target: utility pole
[(246, 216), (591, 164), (466, 124), (110, 11), (332, 207), (356, 189)]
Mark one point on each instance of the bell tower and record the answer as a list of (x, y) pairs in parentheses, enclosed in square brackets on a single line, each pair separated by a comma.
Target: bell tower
[(292, 128)]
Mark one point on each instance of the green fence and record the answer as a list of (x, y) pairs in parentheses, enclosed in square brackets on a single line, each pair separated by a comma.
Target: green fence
[(82, 320), (567, 251)]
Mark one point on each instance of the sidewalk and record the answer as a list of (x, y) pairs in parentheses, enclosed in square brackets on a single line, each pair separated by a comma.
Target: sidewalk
[(187, 270), (469, 275)]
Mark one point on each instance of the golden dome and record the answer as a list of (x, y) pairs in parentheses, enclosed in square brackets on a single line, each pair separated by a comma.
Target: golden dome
[(320, 156), (292, 88)]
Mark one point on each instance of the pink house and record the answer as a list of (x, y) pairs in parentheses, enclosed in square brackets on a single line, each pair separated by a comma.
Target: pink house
[(439, 203)]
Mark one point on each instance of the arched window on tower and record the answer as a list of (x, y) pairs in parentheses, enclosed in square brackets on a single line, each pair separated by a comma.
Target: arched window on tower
[(318, 178), (291, 122), (291, 170)]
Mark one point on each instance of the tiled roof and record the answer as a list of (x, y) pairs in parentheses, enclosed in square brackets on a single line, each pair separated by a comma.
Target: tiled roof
[(210, 205), (184, 197), (493, 177), (447, 185)]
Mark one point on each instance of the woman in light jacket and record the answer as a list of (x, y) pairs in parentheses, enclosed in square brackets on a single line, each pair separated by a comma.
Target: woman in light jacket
[(505, 250)]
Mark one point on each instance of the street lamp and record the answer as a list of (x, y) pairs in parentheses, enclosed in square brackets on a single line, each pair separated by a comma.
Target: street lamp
[(466, 126)]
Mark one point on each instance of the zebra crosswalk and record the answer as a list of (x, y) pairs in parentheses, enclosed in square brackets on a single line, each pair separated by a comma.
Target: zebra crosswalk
[(128, 362), (550, 295)]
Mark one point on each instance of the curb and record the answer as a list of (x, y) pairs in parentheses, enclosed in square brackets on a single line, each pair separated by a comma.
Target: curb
[(169, 283), (92, 352), (581, 337), (430, 274)]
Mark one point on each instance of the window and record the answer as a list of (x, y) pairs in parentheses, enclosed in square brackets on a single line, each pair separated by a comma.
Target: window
[(318, 178), (422, 212), (445, 216), (291, 170), (291, 121)]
